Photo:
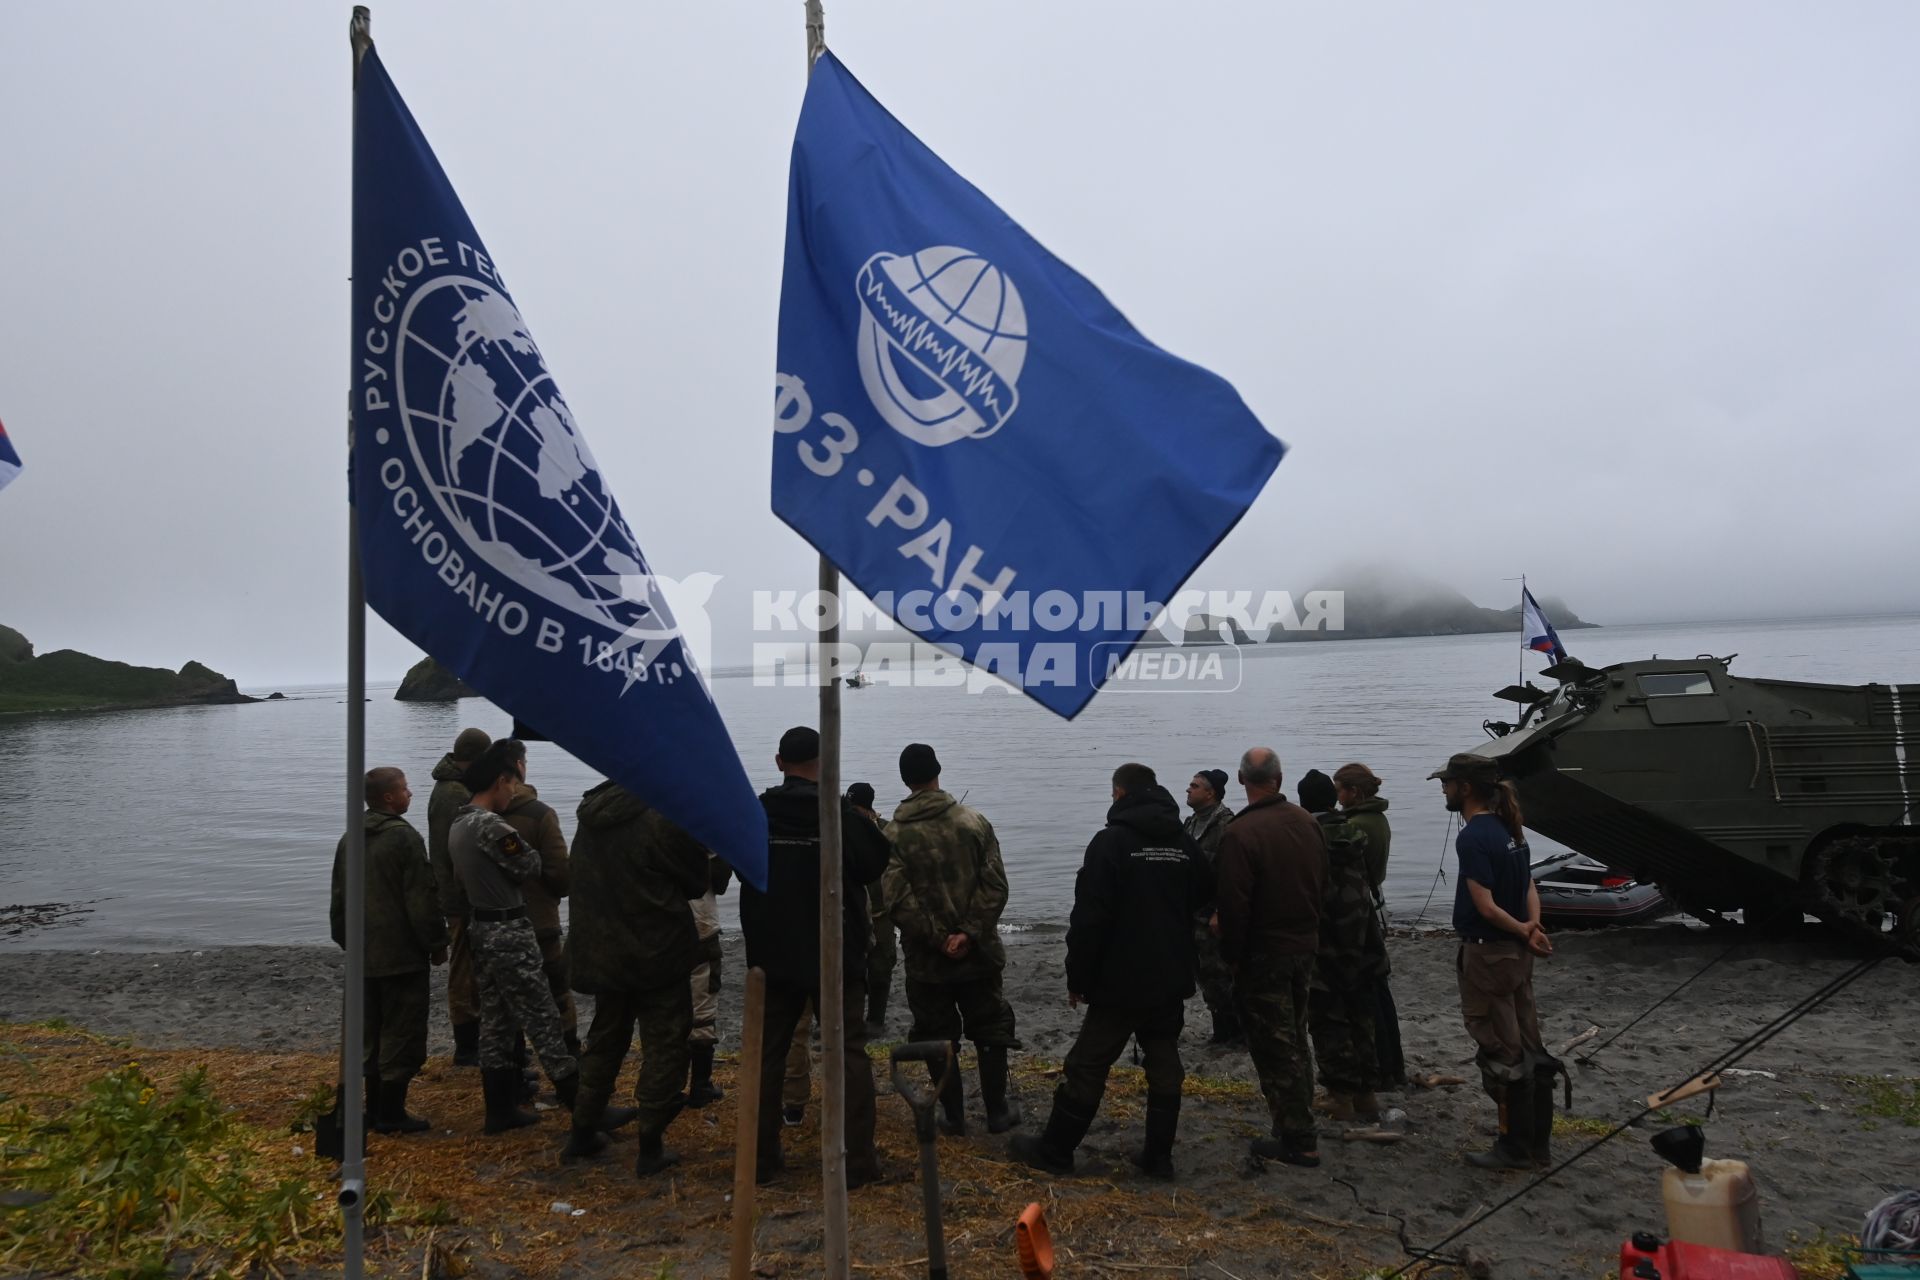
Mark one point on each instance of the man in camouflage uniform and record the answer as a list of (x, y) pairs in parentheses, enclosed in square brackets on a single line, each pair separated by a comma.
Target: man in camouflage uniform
[(633, 941), (945, 887), (1207, 824), (705, 987), (1271, 884), (885, 956), (448, 798), (493, 861), (539, 826), (1352, 958), (405, 937)]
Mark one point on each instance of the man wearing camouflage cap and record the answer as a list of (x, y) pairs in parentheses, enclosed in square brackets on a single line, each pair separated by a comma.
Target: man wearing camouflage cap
[(1496, 912), (945, 887), (449, 797), (492, 861)]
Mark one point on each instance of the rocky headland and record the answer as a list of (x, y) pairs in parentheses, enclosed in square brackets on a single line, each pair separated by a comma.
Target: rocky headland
[(68, 680)]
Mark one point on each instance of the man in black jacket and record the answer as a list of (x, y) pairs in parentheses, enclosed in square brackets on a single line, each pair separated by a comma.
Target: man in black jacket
[(1130, 958), (782, 932)]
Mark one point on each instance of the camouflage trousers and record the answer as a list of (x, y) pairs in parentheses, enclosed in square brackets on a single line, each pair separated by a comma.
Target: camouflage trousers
[(881, 961), (704, 989), (1216, 979), (1271, 991), (553, 959), (976, 1009), (1342, 1023), (396, 1025), (663, 1017), (463, 997), (514, 997)]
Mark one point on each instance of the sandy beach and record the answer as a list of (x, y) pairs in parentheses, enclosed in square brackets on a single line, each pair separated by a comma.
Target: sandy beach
[(1803, 1114)]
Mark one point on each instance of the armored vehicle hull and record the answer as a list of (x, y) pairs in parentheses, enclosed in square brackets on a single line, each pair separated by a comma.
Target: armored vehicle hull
[(1770, 797)]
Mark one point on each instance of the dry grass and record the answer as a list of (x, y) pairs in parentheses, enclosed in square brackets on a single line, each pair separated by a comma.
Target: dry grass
[(485, 1203)]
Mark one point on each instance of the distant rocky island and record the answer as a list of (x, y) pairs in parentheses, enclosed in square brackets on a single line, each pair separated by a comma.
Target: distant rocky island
[(1380, 605), (68, 680), (428, 681)]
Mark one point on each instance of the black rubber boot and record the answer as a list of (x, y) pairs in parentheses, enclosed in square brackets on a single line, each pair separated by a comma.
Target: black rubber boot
[(466, 1044), (1002, 1112), (654, 1155), (390, 1110), (700, 1087), (612, 1118), (767, 1164), (572, 1039), (583, 1142), (567, 1090), (1540, 1146), (500, 1086), (1052, 1151), (1163, 1122), (1513, 1149), (877, 1009), (953, 1096)]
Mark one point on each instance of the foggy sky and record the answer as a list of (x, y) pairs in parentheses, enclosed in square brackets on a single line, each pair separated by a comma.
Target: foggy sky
[(1622, 298)]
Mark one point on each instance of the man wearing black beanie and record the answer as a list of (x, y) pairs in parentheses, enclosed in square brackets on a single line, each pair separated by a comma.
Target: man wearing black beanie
[(946, 887)]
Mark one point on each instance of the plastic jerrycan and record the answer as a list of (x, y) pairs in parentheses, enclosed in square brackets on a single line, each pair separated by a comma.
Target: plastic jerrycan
[(1709, 1202)]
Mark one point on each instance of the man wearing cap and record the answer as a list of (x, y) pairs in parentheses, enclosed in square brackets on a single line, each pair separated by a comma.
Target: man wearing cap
[(1271, 881), (1496, 912), (448, 798), (782, 931), (885, 956), (1352, 958), (1207, 824), (946, 887)]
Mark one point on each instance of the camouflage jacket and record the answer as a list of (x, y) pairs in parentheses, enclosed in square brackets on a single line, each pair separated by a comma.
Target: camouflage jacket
[(404, 924), (632, 927), (1370, 818), (1353, 952), (945, 877), (1207, 826), (539, 826), (491, 859), (449, 797)]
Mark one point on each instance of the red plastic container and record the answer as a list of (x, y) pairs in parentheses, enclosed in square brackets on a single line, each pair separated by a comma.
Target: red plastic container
[(1647, 1257)]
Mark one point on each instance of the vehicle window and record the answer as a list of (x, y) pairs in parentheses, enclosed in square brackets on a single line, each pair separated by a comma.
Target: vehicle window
[(1675, 684)]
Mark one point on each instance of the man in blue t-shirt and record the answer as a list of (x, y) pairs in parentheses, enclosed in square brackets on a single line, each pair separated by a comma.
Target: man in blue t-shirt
[(1496, 912)]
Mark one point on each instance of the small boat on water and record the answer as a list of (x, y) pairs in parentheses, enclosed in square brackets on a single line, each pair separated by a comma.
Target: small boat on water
[(1576, 890), (858, 680)]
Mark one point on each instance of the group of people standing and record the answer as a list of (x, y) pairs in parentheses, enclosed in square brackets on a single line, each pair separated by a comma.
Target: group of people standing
[(1272, 912)]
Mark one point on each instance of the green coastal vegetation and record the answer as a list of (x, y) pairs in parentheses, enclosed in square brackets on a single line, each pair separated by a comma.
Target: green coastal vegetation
[(68, 680)]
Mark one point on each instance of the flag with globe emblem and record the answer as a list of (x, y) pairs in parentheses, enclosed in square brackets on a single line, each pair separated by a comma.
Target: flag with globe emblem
[(489, 536), (960, 414)]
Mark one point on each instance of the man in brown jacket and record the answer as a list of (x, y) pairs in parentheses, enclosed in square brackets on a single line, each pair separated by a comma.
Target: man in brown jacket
[(1271, 878)]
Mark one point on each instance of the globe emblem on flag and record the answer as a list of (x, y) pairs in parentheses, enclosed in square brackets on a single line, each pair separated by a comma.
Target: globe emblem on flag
[(943, 336), (498, 448)]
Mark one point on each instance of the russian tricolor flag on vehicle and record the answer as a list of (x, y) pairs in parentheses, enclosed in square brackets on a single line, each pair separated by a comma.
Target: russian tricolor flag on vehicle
[(9, 460), (1541, 637)]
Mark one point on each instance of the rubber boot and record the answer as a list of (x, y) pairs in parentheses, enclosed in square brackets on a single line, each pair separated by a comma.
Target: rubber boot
[(1155, 1158), (953, 1096), (466, 1044), (583, 1141), (1301, 1150), (572, 1039), (1002, 1112), (567, 1090), (1513, 1149), (700, 1087), (877, 1009), (654, 1155), (768, 1163), (390, 1110), (612, 1118), (1052, 1151), (1541, 1145), (500, 1086)]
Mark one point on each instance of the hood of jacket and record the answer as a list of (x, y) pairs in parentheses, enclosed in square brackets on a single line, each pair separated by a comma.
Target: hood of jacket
[(1377, 804), (1150, 812), (609, 805), (923, 806), (449, 769), (378, 818), (793, 806), (523, 795)]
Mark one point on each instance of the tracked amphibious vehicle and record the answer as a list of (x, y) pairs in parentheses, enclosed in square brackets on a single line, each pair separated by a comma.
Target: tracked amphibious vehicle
[(1768, 797)]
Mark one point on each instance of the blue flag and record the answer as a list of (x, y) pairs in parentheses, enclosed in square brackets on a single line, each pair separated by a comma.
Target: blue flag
[(488, 535), (969, 430)]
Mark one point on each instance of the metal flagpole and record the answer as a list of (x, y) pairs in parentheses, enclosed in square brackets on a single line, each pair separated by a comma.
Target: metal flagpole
[(832, 1007), (353, 1165)]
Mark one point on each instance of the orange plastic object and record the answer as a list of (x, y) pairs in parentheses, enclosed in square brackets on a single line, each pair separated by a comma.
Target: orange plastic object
[(1035, 1245)]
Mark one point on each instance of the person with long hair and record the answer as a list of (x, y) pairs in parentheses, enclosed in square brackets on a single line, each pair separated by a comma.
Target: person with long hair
[(1496, 912), (1361, 804)]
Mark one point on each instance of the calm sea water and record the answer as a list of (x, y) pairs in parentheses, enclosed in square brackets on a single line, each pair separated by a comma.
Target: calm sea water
[(216, 825)]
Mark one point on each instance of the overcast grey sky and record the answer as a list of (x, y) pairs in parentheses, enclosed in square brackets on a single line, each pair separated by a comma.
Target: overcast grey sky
[(1623, 297)]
